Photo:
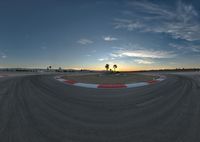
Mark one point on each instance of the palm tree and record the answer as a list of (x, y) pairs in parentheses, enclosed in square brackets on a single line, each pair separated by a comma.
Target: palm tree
[(114, 67), (107, 66), (49, 67)]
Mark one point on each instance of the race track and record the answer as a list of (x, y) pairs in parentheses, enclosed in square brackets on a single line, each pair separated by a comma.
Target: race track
[(40, 109)]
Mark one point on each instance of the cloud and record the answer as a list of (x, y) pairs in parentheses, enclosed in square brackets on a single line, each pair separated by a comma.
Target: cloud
[(177, 46), (196, 49), (109, 38), (186, 47), (109, 58), (138, 54), (3, 55), (130, 25), (143, 53), (141, 61), (181, 22), (103, 59), (85, 41)]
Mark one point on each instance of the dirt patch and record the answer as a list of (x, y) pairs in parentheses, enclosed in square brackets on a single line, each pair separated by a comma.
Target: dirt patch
[(110, 78)]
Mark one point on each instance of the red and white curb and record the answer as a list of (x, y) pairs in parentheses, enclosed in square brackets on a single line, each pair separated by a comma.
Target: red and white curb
[(110, 86)]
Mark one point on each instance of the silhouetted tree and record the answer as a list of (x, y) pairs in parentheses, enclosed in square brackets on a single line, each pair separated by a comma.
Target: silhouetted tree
[(107, 66), (114, 67)]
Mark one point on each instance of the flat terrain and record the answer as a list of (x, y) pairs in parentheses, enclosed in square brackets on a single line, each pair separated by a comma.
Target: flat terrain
[(110, 78), (40, 109)]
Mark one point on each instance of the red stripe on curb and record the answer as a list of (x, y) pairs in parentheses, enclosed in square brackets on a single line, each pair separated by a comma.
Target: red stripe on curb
[(111, 86), (152, 81), (70, 81)]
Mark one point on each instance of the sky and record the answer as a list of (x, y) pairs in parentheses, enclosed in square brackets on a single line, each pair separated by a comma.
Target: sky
[(87, 34)]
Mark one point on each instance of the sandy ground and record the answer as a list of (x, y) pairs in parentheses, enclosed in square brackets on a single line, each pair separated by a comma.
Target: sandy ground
[(110, 79)]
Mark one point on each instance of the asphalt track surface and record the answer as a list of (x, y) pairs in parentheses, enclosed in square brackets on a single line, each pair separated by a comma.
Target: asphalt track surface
[(41, 109)]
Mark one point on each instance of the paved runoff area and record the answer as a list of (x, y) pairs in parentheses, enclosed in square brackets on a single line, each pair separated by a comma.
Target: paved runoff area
[(39, 108)]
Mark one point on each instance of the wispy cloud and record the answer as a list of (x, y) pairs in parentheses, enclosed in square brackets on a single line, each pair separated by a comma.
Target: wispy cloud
[(109, 38), (3, 55), (138, 54), (177, 46), (196, 49), (85, 41), (109, 58), (142, 61), (103, 59), (186, 47), (180, 22), (128, 24), (154, 54)]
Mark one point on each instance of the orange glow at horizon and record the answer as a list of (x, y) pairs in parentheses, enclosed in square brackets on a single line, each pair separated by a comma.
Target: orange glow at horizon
[(124, 68), (127, 67)]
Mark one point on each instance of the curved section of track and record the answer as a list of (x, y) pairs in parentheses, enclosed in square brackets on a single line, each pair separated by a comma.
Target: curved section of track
[(41, 109), (109, 86)]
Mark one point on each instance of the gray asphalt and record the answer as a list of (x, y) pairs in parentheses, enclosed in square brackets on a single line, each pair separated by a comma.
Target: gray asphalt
[(41, 109)]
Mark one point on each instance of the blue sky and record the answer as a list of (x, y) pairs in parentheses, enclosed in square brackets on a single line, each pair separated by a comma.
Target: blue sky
[(88, 34)]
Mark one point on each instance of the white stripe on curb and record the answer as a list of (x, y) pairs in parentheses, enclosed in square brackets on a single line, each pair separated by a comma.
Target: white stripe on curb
[(160, 79), (86, 85), (60, 79), (132, 85)]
